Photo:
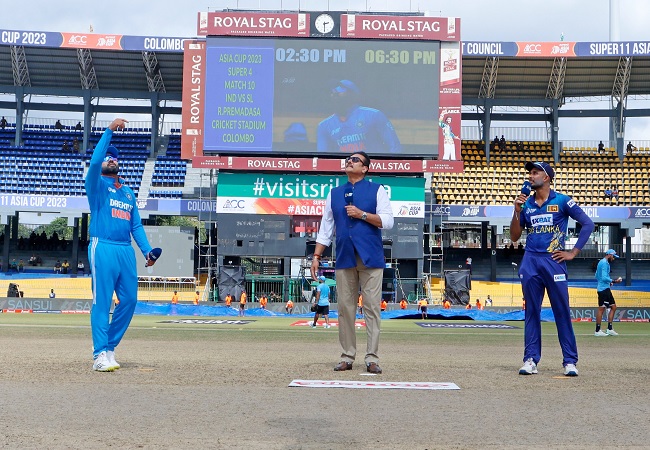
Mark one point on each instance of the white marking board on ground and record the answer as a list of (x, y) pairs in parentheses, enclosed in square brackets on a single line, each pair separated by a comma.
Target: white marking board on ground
[(421, 385)]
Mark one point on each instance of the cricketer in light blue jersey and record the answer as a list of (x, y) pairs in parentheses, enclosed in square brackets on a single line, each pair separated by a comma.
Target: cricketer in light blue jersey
[(114, 219), (545, 216)]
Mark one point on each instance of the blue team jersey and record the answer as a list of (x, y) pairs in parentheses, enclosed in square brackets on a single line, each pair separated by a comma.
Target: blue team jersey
[(324, 298), (113, 209), (602, 275), (365, 129), (547, 225)]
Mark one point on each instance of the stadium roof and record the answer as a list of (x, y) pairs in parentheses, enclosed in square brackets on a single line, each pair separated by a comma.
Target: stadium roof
[(57, 69)]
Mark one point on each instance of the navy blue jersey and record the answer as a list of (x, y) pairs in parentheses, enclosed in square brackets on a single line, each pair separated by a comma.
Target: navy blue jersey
[(364, 130), (547, 225)]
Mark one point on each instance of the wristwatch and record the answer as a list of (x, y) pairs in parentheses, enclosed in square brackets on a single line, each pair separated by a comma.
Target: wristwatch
[(364, 216)]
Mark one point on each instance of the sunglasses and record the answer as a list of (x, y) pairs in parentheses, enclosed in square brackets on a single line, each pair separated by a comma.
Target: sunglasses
[(110, 158), (354, 159)]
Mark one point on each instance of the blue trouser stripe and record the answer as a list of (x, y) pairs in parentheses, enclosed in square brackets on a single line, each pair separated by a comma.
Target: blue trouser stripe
[(537, 273), (113, 270)]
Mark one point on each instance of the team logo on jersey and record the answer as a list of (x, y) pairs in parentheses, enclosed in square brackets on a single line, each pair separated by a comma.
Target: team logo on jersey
[(552, 208), (128, 196), (541, 220), (559, 277)]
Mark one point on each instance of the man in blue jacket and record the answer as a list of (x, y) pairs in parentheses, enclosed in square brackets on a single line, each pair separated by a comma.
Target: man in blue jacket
[(358, 210), (545, 217), (114, 219)]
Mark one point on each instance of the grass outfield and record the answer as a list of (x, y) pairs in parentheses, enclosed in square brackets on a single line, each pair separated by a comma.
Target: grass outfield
[(188, 385)]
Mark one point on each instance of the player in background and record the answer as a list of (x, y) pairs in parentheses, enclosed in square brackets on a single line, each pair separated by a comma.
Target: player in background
[(353, 128), (605, 297), (545, 216), (115, 218)]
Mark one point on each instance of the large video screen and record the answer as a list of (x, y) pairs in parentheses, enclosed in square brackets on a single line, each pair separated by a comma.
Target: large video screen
[(321, 97)]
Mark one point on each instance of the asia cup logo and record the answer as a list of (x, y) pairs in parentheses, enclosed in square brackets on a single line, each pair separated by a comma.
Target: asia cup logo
[(403, 211)]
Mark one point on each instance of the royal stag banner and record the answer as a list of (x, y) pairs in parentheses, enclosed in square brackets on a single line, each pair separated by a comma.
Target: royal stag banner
[(305, 195)]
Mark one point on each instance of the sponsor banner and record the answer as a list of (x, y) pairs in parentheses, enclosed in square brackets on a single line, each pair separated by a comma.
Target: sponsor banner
[(196, 205), (306, 194), (613, 49), (92, 41), (193, 99), (400, 27), (290, 164), (320, 323), (17, 311), (546, 49), (40, 305), (472, 48), (622, 314), (449, 109), (31, 38), (209, 322), (493, 211), (153, 44), (252, 24), (498, 326), (425, 385)]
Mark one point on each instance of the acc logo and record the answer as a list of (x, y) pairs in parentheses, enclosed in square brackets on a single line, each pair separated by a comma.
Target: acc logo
[(234, 204), (441, 210), (142, 204), (571, 203), (533, 48), (472, 211), (403, 211), (559, 277), (552, 208), (642, 212), (78, 39)]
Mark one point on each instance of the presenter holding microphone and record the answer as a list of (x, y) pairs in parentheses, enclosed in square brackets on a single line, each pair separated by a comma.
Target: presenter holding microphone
[(545, 216), (114, 219), (358, 211)]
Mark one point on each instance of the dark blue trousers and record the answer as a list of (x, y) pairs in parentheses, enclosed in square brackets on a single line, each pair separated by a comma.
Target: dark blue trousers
[(539, 273)]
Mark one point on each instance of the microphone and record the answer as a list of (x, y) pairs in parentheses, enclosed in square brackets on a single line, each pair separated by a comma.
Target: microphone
[(154, 254), (525, 188), (349, 195)]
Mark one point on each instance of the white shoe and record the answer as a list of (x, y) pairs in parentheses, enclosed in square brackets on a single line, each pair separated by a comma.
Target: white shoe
[(570, 370), (311, 325), (327, 326), (528, 368), (110, 355), (600, 333), (101, 363), (611, 333)]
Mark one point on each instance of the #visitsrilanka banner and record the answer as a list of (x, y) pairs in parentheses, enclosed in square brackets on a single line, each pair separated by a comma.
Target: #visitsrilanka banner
[(305, 195)]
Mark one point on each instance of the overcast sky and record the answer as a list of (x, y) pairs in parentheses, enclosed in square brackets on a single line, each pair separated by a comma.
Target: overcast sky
[(484, 20)]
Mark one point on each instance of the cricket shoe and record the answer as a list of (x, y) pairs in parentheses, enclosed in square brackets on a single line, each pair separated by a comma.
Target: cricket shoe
[(611, 333), (600, 333), (110, 355), (570, 370), (102, 364), (529, 367)]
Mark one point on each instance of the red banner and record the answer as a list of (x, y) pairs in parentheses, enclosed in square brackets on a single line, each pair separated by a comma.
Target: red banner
[(450, 103), (252, 24), (400, 27), (92, 41), (546, 49), (321, 165), (193, 99)]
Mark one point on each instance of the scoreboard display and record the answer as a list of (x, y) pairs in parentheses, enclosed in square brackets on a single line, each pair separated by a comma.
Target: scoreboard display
[(270, 86), (273, 95)]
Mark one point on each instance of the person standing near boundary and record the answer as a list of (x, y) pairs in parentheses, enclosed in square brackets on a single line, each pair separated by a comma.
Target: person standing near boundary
[(545, 216), (322, 303), (605, 297), (115, 218), (358, 210), (242, 303)]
